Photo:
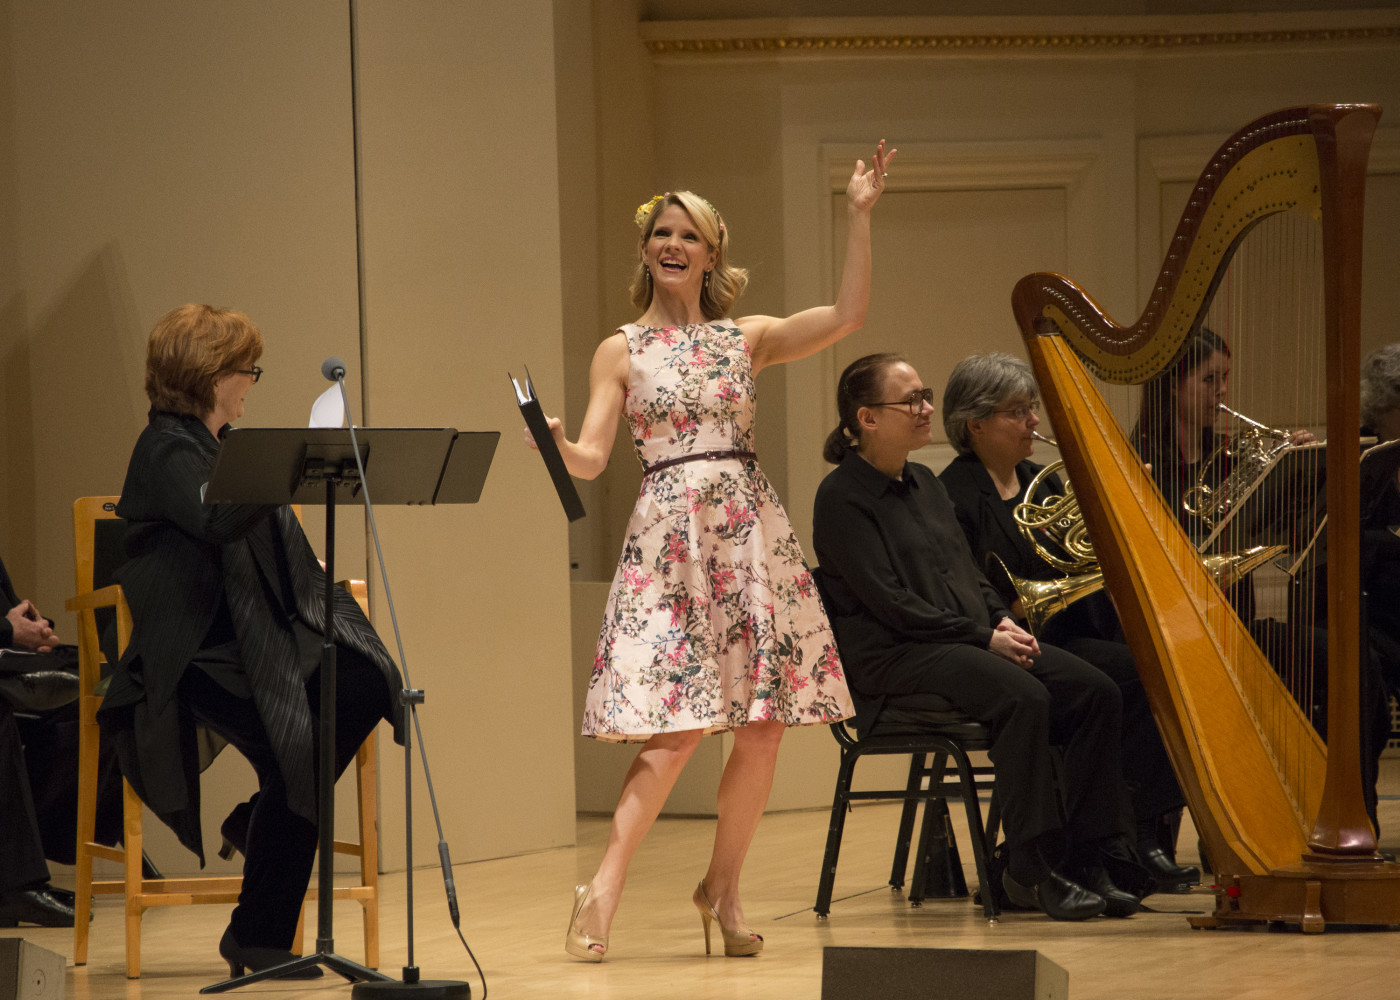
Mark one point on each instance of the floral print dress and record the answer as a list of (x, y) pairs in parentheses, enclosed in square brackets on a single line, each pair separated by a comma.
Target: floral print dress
[(713, 620)]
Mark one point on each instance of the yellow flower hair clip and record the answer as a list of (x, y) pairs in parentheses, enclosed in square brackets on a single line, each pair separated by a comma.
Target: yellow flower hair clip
[(644, 209)]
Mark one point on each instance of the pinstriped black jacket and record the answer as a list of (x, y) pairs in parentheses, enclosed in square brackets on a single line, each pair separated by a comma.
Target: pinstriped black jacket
[(187, 560)]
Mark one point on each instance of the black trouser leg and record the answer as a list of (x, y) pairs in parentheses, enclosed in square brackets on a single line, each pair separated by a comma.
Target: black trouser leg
[(1014, 705), (1086, 721), (21, 848), (1147, 770), (281, 844)]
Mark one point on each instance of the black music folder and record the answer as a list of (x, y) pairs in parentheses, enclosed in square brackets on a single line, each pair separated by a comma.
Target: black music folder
[(533, 413)]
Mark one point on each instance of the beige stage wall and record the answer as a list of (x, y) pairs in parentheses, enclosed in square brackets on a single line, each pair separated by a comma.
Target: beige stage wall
[(156, 152)]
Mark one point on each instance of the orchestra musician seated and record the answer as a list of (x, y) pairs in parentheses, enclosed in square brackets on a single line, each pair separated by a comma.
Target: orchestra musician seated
[(1176, 435), (1380, 511), (913, 613), (990, 414)]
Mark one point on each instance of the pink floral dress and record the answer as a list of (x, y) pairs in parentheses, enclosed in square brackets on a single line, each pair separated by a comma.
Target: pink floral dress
[(713, 620)]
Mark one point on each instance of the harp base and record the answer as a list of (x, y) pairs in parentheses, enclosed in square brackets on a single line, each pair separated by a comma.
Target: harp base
[(1310, 897)]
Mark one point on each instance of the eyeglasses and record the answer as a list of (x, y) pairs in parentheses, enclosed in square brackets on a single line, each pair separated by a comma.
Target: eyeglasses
[(255, 372), (1021, 413), (914, 401)]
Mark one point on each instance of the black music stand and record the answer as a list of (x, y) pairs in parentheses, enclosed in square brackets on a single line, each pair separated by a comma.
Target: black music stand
[(281, 465)]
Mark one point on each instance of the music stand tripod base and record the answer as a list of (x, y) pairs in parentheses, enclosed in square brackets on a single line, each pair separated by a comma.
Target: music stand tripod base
[(424, 989)]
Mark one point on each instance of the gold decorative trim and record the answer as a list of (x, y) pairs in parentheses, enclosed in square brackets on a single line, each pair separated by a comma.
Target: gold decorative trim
[(806, 45)]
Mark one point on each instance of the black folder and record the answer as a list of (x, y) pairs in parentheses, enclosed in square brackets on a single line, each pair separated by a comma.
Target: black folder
[(533, 413)]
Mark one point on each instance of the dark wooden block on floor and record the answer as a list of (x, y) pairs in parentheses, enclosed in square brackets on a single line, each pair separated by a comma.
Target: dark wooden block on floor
[(940, 974)]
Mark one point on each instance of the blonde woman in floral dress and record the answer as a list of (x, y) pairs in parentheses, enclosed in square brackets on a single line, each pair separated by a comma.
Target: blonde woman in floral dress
[(713, 624)]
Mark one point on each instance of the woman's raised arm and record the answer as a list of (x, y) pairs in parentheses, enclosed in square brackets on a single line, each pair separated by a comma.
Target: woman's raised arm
[(775, 339)]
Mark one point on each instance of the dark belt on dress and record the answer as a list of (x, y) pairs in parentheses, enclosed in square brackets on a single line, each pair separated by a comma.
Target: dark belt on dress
[(699, 456)]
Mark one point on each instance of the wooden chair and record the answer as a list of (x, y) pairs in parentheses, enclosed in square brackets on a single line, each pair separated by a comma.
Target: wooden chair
[(98, 530)]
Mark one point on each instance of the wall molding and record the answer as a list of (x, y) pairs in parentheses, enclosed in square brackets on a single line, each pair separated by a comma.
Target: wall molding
[(1032, 36)]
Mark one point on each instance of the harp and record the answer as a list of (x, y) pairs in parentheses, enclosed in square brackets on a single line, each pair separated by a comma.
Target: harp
[(1281, 814)]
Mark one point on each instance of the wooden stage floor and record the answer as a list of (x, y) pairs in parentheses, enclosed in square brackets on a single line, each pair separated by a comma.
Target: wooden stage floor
[(514, 912)]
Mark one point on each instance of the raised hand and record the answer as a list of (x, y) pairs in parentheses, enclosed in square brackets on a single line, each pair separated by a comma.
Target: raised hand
[(866, 186)]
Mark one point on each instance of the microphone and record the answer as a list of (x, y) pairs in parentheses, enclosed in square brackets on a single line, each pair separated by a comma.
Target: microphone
[(333, 369)]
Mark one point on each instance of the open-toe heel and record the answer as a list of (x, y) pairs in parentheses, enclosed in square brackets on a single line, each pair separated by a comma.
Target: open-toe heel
[(577, 943), (738, 941)]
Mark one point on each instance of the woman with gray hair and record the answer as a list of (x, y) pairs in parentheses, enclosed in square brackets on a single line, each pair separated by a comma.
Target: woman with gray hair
[(1380, 392), (990, 413)]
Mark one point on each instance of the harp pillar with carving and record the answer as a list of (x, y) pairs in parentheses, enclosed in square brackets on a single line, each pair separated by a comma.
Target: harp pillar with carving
[(1281, 814)]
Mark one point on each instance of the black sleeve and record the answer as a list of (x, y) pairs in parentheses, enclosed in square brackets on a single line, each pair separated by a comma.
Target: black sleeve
[(166, 482), (9, 599), (850, 544)]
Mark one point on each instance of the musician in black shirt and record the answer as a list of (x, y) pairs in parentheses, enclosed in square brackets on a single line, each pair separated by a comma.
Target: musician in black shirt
[(913, 613), (1380, 509)]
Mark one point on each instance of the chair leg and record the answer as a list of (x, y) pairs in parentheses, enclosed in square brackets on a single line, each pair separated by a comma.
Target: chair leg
[(367, 783), (981, 849), (85, 833), (915, 785), (132, 845), (840, 803)]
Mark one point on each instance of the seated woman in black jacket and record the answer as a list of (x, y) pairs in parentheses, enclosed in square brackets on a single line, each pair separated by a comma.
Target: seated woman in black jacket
[(226, 604), (1380, 509), (913, 613), (990, 415)]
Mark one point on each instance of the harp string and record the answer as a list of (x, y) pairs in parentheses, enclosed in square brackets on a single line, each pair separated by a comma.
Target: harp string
[(1267, 309)]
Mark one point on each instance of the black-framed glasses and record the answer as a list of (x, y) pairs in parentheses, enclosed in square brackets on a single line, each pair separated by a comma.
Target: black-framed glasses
[(914, 401), (255, 372), (1021, 413)]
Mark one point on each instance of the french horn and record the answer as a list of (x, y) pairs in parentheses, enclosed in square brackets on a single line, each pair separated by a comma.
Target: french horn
[(1252, 452), (1059, 522)]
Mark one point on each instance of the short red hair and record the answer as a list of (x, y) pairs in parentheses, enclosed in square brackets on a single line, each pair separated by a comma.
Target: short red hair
[(190, 347)]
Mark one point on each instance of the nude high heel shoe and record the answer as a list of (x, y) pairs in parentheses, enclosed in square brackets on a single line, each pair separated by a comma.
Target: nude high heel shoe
[(577, 943), (737, 941)]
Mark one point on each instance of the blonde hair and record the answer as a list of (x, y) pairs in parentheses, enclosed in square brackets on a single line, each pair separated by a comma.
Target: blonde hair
[(189, 348), (725, 282)]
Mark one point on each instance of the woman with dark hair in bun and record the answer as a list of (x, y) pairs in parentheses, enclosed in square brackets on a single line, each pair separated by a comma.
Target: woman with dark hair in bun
[(913, 613)]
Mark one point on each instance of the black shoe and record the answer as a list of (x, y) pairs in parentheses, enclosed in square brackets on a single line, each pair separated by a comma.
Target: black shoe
[(1056, 896), (241, 959), (1167, 875), (234, 829), (1123, 868), (1117, 902), (34, 906), (65, 896)]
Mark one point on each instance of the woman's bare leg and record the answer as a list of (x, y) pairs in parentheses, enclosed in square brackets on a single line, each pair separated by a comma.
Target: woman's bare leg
[(649, 780), (743, 794)]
